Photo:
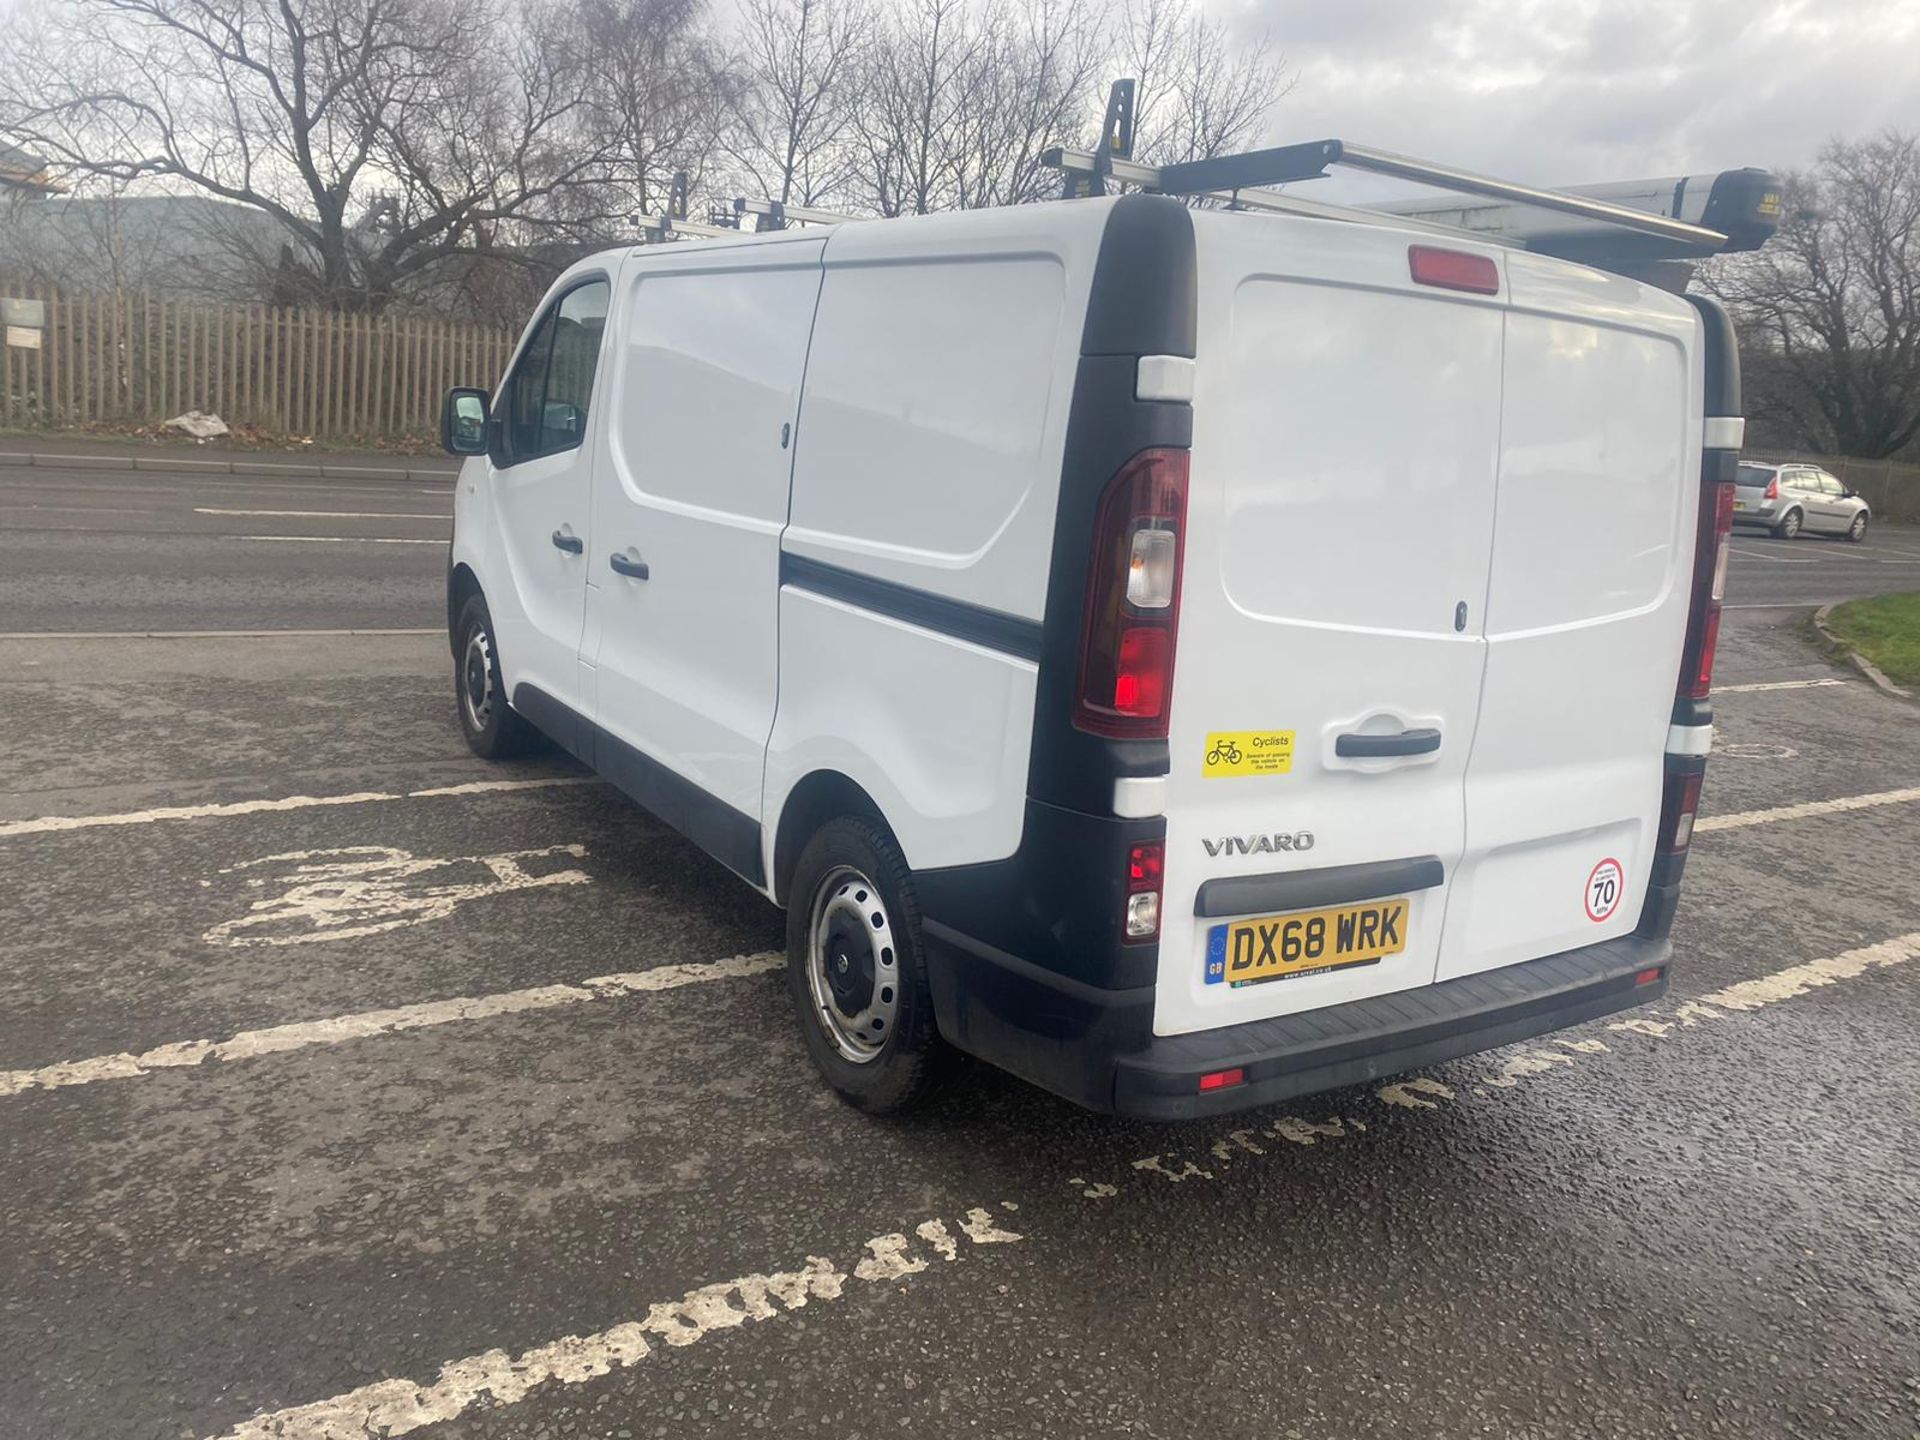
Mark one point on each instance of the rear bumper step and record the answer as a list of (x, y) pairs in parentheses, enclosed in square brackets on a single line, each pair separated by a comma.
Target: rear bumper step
[(1100, 1058)]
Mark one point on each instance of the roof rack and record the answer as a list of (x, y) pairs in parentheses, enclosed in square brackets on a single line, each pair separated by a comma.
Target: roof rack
[(781, 214), (1623, 225), (674, 224)]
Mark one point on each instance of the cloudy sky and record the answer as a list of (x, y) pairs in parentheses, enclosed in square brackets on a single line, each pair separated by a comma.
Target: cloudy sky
[(1564, 91)]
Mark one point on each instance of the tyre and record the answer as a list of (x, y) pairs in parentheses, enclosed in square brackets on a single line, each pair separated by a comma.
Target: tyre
[(1857, 531), (1789, 525), (492, 729), (855, 968)]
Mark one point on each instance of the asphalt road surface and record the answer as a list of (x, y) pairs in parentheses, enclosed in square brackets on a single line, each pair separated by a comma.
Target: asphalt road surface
[(105, 550), (352, 1087)]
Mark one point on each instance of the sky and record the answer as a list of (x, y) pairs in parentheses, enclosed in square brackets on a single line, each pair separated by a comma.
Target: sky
[(1572, 91)]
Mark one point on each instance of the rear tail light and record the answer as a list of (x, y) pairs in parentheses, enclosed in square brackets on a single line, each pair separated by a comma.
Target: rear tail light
[(1709, 585), (1677, 807), (1133, 599), (1146, 871), (1773, 488)]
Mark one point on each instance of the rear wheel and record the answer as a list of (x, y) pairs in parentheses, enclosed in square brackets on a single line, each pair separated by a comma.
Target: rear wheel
[(1789, 525), (1857, 531), (855, 970), (492, 729)]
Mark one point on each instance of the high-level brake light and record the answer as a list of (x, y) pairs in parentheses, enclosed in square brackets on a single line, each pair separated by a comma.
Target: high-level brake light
[(1453, 269)]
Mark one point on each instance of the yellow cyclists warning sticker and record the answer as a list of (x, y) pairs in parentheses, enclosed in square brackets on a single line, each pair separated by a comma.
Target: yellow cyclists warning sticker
[(1249, 752)]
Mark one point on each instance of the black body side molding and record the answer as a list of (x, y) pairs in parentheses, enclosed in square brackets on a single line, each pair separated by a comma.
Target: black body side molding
[(715, 826), (990, 629)]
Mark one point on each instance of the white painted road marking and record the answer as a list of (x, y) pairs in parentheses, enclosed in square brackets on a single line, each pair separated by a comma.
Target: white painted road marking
[(1771, 559), (51, 824), (279, 1039), (1422, 1093), (357, 890), (1806, 810), (399, 1407), (1776, 685), (201, 634), (323, 514), (1751, 750), (334, 539)]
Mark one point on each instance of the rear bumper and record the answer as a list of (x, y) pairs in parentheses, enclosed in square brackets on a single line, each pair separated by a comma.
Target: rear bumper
[(1096, 1047)]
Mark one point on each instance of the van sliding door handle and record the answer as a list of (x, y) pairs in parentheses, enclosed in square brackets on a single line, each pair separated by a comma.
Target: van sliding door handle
[(636, 569), (1381, 747), (572, 544)]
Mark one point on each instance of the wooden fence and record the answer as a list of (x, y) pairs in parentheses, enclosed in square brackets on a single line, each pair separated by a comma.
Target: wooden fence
[(134, 359)]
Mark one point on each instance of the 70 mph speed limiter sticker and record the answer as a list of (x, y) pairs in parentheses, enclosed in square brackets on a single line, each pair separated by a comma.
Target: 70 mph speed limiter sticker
[(1605, 887)]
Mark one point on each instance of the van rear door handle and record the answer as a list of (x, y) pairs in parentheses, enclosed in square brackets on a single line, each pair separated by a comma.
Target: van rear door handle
[(637, 569), (1378, 747), (572, 544)]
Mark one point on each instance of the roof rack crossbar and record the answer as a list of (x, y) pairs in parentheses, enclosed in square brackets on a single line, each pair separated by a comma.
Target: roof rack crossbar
[(1237, 178), (666, 227), (780, 213)]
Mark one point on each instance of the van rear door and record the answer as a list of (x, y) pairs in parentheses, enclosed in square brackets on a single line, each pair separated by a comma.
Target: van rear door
[(1327, 679), (1586, 614)]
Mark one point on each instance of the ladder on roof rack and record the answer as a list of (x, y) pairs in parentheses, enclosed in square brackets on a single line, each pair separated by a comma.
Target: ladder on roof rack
[(1623, 226)]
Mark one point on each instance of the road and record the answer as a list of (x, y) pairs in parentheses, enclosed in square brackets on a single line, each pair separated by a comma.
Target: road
[(520, 1142), (103, 550)]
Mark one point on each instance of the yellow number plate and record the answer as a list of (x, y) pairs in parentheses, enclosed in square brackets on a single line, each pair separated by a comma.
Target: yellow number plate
[(1307, 942)]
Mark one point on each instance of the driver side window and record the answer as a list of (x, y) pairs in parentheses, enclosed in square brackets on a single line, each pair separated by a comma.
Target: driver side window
[(548, 393)]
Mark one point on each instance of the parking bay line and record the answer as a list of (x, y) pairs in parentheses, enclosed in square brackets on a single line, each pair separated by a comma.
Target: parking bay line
[(1776, 685), (336, 539), (1771, 559), (53, 824), (325, 514), (205, 634), (301, 1035), (1806, 810), (398, 1406)]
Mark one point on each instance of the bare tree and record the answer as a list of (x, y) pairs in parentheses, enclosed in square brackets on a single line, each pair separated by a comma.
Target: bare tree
[(1037, 82), (384, 136), (958, 100), (658, 93), (1829, 309), (1197, 93), (799, 63)]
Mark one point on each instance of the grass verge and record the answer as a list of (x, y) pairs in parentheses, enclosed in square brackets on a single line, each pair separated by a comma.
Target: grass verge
[(1885, 629)]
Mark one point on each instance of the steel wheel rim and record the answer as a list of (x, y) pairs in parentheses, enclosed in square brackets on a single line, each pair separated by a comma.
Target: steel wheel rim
[(853, 971), (476, 679)]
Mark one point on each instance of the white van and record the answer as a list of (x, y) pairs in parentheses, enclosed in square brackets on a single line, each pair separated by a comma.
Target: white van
[(1173, 655)]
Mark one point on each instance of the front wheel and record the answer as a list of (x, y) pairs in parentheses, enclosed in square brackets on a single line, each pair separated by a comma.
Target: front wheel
[(492, 730), (1857, 531), (855, 971), (1789, 525)]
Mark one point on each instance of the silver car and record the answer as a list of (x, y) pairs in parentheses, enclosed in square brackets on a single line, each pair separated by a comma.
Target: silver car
[(1790, 498)]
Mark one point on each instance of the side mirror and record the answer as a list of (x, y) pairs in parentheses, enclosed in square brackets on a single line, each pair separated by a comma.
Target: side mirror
[(463, 422)]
